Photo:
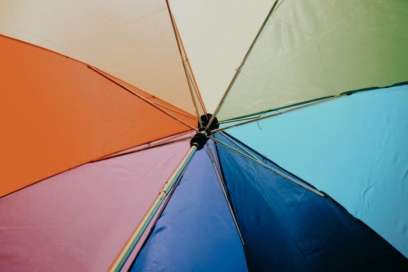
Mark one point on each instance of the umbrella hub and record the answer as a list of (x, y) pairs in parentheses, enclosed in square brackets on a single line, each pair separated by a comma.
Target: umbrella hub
[(204, 123), (202, 136)]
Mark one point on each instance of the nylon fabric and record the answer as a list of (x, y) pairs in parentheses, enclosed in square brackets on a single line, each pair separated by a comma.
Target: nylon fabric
[(56, 114), (353, 148), (195, 231), (318, 48), (132, 40), (289, 228), (79, 220), (217, 36)]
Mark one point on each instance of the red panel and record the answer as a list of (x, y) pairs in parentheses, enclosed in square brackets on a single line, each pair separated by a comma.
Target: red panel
[(56, 113)]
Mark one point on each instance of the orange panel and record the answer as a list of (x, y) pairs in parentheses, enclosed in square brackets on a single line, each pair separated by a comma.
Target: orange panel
[(56, 113)]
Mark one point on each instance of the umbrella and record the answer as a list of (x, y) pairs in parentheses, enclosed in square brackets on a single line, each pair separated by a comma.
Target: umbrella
[(112, 158)]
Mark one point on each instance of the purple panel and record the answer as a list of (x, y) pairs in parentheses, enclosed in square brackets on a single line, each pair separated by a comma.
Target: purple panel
[(79, 220)]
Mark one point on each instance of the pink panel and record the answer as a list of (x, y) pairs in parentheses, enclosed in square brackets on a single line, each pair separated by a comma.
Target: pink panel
[(79, 220)]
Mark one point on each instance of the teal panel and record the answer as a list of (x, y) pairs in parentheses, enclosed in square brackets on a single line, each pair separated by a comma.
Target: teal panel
[(354, 148)]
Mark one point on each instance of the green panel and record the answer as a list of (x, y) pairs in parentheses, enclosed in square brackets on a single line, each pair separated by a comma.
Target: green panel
[(317, 48)]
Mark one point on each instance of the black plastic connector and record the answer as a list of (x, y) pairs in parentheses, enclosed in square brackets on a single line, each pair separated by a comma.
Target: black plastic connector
[(204, 121), (199, 140)]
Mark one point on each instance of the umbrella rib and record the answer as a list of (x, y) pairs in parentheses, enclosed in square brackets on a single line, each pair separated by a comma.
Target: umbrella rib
[(184, 59), (240, 146), (270, 168), (162, 208), (192, 77), (169, 195), (222, 184), (116, 154), (255, 119), (238, 71), (144, 147), (193, 97), (289, 108), (193, 80), (238, 119), (142, 97), (167, 107)]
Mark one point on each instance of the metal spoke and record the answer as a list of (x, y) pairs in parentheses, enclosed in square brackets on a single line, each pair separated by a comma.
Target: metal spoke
[(144, 147), (270, 168), (239, 145), (184, 60), (142, 97), (279, 113), (242, 64), (222, 184)]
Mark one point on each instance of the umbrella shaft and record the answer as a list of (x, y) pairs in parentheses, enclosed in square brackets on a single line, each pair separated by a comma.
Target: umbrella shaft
[(134, 239)]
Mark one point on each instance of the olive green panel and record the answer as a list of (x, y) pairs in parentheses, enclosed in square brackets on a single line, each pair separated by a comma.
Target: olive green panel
[(318, 48)]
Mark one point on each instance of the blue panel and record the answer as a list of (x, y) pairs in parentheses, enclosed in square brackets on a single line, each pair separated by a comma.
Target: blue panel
[(195, 231), (354, 148), (288, 228)]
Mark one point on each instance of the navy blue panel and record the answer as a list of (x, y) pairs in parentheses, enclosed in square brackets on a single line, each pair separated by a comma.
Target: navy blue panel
[(288, 228), (196, 231)]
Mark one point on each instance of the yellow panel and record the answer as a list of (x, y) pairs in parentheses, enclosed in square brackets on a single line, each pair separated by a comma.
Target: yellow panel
[(132, 40)]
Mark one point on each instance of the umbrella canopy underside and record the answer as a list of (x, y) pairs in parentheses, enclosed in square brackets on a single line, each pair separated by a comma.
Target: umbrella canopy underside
[(99, 102)]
